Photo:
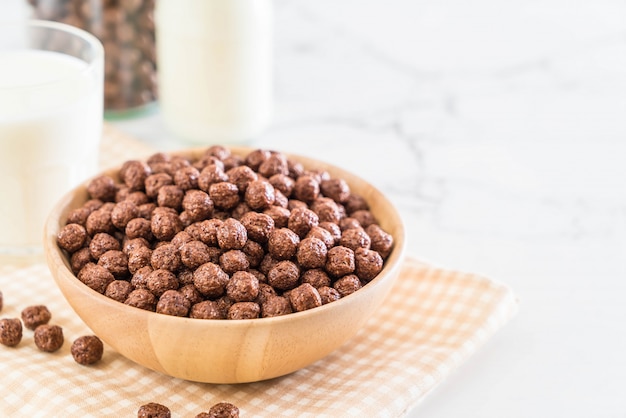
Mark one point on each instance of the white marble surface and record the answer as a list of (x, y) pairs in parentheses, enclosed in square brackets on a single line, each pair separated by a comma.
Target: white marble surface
[(498, 128)]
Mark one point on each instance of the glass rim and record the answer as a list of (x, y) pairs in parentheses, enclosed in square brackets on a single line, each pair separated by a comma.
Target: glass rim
[(90, 39)]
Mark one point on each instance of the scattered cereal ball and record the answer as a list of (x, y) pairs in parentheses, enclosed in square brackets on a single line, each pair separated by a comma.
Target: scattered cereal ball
[(142, 299), (224, 195), (139, 228), (340, 261), (173, 303), (153, 410), (242, 287), (302, 220), (284, 275), (72, 237), (170, 196), (33, 316), (283, 243), (102, 188), (161, 280), (244, 310), (1, 301), (355, 238), (231, 235), (87, 349), (116, 262), (48, 338), (382, 242), (347, 285), (224, 410), (10, 331), (207, 309), (259, 226), (304, 297), (210, 280), (275, 306), (328, 294), (96, 277), (311, 253), (118, 290), (368, 264)]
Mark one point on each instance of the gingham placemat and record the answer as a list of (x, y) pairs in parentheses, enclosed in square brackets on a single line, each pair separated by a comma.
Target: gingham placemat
[(432, 321)]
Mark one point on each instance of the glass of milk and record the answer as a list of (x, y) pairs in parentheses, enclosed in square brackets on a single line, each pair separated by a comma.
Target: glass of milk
[(214, 60), (51, 104)]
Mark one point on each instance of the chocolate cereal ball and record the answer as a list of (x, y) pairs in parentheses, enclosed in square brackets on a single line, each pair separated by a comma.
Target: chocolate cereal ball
[(159, 281), (101, 243), (187, 178), (231, 235), (241, 176), (166, 257), (311, 253), (275, 306), (173, 303), (284, 275), (242, 287), (134, 174), (140, 277), (306, 189), (118, 290), (142, 299), (79, 259), (154, 182), (260, 195), (122, 213), (336, 189), (223, 410), (211, 174), (99, 221), (1, 301), (194, 253), (282, 183), (36, 315), (316, 278), (165, 224), (283, 243), (382, 242), (302, 220), (244, 310), (198, 205), (276, 163), (255, 158), (368, 264), (259, 226), (225, 195), (153, 410), (210, 280), (170, 196), (102, 188), (340, 261), (365, 217), (139, 258), (326, 210), (208, 309), (10, 331), (190, 292), (279, 215), (96, 277), (347, 285), (87, 349), (355, 203), (48, 338), (205, 231), (333, 229), (233, 261), (139, 228), (116, 262), (254, 252), (72, 237), (304, 297), (323, 235), (355, 238), (328, 294)]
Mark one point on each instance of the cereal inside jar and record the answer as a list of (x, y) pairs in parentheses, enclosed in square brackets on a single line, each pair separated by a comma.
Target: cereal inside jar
[(126, 30)]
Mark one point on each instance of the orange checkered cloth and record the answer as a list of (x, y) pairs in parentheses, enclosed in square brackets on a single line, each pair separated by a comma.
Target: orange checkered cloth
[(431, 322)]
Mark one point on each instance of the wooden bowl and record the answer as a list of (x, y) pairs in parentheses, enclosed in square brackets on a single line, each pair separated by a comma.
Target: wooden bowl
[(227, 351)]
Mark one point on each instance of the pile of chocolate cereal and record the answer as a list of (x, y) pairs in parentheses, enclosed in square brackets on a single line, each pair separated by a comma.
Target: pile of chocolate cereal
[(223, 236)]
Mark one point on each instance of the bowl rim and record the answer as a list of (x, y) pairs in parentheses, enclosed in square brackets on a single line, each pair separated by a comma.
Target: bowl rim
[(393, 263)]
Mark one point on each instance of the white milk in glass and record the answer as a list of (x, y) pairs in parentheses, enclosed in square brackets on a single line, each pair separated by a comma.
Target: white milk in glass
[(47, 143)]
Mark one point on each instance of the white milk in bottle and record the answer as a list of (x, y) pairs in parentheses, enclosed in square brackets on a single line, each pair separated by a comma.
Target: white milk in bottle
[(215, 68), (50, 125)]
